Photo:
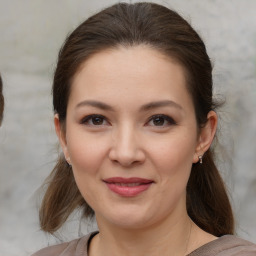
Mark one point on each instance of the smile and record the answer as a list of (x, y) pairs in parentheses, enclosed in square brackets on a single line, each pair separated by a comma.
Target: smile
[(128, 184), (128, 187)]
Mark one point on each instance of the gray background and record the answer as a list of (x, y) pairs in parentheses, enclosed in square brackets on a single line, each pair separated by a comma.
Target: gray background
[(31, 33)]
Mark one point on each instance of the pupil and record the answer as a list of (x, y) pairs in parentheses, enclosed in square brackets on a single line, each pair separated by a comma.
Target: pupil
[(97, 120), (159, 121)]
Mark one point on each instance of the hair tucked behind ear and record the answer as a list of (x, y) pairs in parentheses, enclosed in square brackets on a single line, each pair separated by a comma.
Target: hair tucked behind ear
[(164, 30)]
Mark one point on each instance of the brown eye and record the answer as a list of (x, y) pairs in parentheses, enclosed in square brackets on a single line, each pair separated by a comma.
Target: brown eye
[(161, 121), (158, 121), (97, 120), (94, 120)]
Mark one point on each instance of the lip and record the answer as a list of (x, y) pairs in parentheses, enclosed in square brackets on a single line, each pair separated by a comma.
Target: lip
[(128, 187)]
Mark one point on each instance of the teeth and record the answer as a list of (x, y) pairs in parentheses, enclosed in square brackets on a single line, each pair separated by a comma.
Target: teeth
[(127, 184)]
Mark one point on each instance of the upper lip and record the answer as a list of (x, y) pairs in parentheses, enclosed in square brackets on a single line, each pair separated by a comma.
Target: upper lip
[(127, 180)]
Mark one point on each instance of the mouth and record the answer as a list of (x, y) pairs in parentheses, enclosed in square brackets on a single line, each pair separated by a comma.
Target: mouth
[(128, 187)]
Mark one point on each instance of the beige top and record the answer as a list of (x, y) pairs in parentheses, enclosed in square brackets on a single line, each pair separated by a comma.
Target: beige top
[(224, 246)]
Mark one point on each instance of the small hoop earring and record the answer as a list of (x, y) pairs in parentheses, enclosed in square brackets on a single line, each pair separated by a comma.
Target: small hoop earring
[(200, 159), (68, 162)]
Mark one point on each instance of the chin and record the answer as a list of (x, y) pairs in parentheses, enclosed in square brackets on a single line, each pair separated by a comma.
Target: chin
[(128, 218), (130, 224)]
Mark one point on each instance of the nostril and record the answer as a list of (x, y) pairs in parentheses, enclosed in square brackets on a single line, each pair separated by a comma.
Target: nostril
[(126, 164), (126, 151)]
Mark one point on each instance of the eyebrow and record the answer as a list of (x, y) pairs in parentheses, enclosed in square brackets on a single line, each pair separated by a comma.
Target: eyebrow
[(146, 107), (162, 103), (96, 104)]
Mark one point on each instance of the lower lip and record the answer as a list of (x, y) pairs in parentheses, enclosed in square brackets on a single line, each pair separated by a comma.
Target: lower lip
[(128, 191)]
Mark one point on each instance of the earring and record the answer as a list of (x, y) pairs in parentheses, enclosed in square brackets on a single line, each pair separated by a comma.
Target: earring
[(200, 159), (68, 161)]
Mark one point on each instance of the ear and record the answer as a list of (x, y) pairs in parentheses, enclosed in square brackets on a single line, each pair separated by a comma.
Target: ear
[(62, 137), (206, 135)]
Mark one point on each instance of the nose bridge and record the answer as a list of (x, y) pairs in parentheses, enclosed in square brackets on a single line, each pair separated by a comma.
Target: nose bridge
[(126, 149), (126, 138)]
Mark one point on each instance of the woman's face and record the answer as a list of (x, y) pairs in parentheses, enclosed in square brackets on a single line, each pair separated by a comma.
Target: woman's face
[(131, 136)]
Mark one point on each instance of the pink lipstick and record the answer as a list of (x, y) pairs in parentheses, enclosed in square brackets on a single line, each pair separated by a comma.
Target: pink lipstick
[(128, 187)]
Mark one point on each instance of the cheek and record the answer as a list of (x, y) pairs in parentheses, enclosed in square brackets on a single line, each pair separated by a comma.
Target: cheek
[(174, 151), (86, 152), (173, 160), (87, 155)]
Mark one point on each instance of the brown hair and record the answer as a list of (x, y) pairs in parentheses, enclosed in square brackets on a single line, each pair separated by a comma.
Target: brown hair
[(1, 101), (166, 31)]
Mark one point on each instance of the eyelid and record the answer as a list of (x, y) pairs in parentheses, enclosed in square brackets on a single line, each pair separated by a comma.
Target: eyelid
[(167, 118), (170, 121), (85, 120)]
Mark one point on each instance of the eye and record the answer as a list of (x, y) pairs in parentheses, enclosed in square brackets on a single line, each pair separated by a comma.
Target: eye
[(161, 121), (94, 120)]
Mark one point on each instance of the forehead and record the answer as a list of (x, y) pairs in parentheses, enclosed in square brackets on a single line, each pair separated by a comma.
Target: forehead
[(139, 72)]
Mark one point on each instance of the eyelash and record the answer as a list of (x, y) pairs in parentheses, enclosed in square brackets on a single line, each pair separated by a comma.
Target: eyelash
[(170, 121), (89, 118)]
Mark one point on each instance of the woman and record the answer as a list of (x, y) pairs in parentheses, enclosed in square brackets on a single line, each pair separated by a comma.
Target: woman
[(1, 101), (134, 114)]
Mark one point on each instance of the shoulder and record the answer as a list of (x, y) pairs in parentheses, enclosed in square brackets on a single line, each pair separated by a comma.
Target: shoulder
[(227, 245), (75, 247)]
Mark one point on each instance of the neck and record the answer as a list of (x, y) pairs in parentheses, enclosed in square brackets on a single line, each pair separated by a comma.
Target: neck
[(171, 237)]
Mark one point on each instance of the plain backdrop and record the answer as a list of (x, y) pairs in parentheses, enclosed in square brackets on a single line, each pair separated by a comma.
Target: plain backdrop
[(31, 33)]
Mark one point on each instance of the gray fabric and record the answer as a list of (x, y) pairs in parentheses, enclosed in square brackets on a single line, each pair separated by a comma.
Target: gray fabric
[(224, 246)]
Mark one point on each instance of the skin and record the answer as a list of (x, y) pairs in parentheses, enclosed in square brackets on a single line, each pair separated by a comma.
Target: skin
[(133, 85)]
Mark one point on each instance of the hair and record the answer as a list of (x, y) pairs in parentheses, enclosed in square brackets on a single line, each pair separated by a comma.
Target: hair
[(166, 31), (1, 101)]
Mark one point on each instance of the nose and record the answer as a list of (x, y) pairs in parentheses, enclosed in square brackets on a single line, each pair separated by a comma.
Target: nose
[(126, 147)]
